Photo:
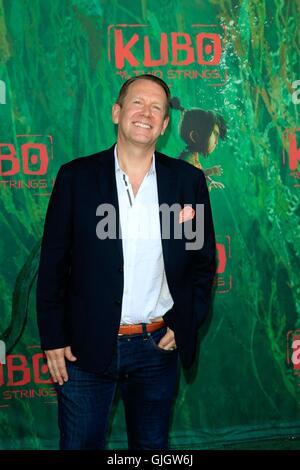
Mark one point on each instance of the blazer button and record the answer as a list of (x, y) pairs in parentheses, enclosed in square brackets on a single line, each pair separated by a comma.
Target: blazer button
[(118, 302), (120, 270)]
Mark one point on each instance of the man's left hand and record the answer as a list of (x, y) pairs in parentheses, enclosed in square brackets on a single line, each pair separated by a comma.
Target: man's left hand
[(168, 340)]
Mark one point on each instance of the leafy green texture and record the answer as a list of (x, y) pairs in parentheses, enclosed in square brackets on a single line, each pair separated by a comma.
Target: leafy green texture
[(59, 82)]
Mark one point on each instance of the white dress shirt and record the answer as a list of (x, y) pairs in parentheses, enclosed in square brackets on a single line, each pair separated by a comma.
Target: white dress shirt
[(146, 295)]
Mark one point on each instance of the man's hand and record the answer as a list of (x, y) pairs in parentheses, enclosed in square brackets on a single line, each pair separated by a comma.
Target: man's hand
[(168, 340), (57, 364)]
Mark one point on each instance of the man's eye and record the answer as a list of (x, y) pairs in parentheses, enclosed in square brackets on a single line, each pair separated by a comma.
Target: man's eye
[(137, 101)]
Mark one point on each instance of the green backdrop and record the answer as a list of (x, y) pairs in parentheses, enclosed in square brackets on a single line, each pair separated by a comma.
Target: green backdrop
[(60, 70)]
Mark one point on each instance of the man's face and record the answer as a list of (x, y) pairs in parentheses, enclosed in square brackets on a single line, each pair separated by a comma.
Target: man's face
[(141, 118)]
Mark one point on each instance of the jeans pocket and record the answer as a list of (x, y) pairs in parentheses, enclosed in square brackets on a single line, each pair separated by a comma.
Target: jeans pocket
[(155, 338)]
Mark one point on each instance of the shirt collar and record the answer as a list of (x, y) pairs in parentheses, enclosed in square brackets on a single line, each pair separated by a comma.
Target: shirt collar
[(117, 166)]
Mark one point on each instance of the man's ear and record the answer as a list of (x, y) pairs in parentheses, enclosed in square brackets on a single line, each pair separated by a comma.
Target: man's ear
[(115, 113), (165, 124)]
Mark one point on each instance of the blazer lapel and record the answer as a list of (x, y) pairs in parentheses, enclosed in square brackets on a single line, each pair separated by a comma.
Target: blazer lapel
[(107, 188), (166, 187)]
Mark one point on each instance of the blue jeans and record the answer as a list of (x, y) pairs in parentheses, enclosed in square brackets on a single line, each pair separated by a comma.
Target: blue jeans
[(147, 376)]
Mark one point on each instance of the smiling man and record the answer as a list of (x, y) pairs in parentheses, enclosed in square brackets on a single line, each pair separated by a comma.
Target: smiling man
[(121, 311)]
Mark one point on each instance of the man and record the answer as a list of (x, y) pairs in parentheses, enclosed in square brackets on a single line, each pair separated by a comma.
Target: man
[(119, 309)]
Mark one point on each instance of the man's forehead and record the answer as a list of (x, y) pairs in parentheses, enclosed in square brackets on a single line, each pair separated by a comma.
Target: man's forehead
[(143, 87)]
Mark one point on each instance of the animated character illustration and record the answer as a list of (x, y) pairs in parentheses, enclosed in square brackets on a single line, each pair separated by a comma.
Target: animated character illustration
[(200, 130)]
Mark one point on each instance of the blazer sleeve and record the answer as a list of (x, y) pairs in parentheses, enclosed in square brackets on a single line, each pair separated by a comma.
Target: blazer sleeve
[(54, 264), (205, 258)]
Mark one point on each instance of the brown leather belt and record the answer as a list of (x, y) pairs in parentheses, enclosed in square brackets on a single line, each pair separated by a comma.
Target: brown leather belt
[(136, 329)]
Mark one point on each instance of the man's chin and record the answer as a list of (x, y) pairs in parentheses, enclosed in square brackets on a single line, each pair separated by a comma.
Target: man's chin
[(143, 140)]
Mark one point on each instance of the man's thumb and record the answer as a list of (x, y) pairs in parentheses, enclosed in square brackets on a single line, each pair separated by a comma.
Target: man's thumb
[(69, 355)]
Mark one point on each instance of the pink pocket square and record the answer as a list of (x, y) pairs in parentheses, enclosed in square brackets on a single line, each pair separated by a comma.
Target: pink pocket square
[(187, 213)]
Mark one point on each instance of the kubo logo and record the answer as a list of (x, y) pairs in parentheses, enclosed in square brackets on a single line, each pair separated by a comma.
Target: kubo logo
[(38, 159), (25, 377), (137, 47), (223, 280), (291, 153), (293, 352), (29, 157)]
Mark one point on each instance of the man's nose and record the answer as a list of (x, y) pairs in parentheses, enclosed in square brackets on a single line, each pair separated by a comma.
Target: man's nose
[(146, 110)]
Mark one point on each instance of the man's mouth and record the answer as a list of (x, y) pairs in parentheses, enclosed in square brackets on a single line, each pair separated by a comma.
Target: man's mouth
[(143, 125)]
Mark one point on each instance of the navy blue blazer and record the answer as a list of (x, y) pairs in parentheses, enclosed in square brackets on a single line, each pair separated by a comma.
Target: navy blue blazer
[(80, 278)]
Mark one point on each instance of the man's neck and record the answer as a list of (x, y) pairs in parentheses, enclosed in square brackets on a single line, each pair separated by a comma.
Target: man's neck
[(134, 161)]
